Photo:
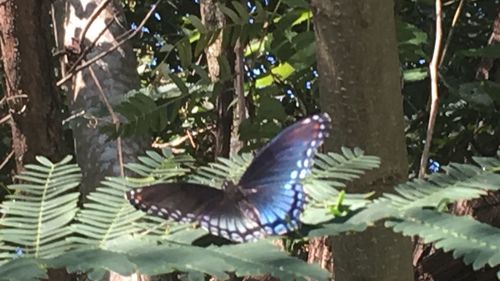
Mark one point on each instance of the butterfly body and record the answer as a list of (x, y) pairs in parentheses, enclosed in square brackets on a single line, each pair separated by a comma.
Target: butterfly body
[(267, 200)]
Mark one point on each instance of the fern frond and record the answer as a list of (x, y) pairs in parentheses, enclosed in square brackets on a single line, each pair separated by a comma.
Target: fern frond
[(161, 166), (25, 269), (222, 170), (106, 217), (108, 221), (39, 211), (477, 243), (461, 182), (243, 259)]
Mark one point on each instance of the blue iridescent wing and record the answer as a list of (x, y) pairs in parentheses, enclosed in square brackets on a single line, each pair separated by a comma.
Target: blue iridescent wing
[(272, 196), (277, 170)]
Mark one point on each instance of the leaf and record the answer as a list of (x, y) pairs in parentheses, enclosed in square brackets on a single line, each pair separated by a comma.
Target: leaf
[(94, 260), (461, 182), (230, 13), (492, 51), (296, 4), (25, 269), (263, 257), (196, 22), (283, 71), (179, 83), (242, 11), (168, 258), (185, 53), (415, 74), (38, 212), (477, 243), (475, 94)]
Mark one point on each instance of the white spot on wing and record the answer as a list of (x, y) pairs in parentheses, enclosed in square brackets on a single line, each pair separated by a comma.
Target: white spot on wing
[(293, 174), (303, 173), (306, 121)]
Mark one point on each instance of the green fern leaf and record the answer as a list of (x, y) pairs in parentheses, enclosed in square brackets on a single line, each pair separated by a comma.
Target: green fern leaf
[(477, 243), (108, 221), (39, 211), (244, 259), (461, 182), (26, 269)]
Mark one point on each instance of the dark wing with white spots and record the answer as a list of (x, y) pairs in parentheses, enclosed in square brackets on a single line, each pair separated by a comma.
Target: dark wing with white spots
[(272, 196), (189, 202), (178, 201)]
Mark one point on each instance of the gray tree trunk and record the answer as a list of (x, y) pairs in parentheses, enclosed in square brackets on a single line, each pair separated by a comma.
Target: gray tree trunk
[(359, 84), (96, 89)]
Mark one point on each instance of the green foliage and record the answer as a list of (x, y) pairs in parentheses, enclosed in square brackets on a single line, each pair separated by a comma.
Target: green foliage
[(461, 182), (109, 234), (37, 215), (415, 209), (477, 243)]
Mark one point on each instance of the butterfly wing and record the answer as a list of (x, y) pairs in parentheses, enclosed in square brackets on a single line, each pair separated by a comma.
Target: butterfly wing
[(273, 196), (189, 202), (178, 201), (276, 171)]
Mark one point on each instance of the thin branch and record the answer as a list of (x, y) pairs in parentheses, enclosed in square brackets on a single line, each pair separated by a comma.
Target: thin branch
[(58, 44), (114, 119), (126, 36), (92, 18), (87, 49), (434, 67), (5, 119), (178, 141), (458, 11), (6, 160)]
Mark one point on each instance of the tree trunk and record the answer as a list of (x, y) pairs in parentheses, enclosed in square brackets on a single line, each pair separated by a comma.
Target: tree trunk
[(213, 18), (359, 84), (96, 89), (30, 91)]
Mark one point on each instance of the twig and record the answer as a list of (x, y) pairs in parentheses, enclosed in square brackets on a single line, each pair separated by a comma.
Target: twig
[(114, 119), (6, 160), (92, 18), (5, 119), (127, 36), (434, 67), (87, 49), (458, 11), (58, 44), (178, 141)]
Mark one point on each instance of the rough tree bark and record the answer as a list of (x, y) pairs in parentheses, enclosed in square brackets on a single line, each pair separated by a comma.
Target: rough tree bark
[(100, 86), (213, 18), (30, 91), (360, 88), (96, 89)]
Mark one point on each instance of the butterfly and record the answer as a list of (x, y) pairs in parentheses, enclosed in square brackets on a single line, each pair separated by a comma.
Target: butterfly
[(267, 200)]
